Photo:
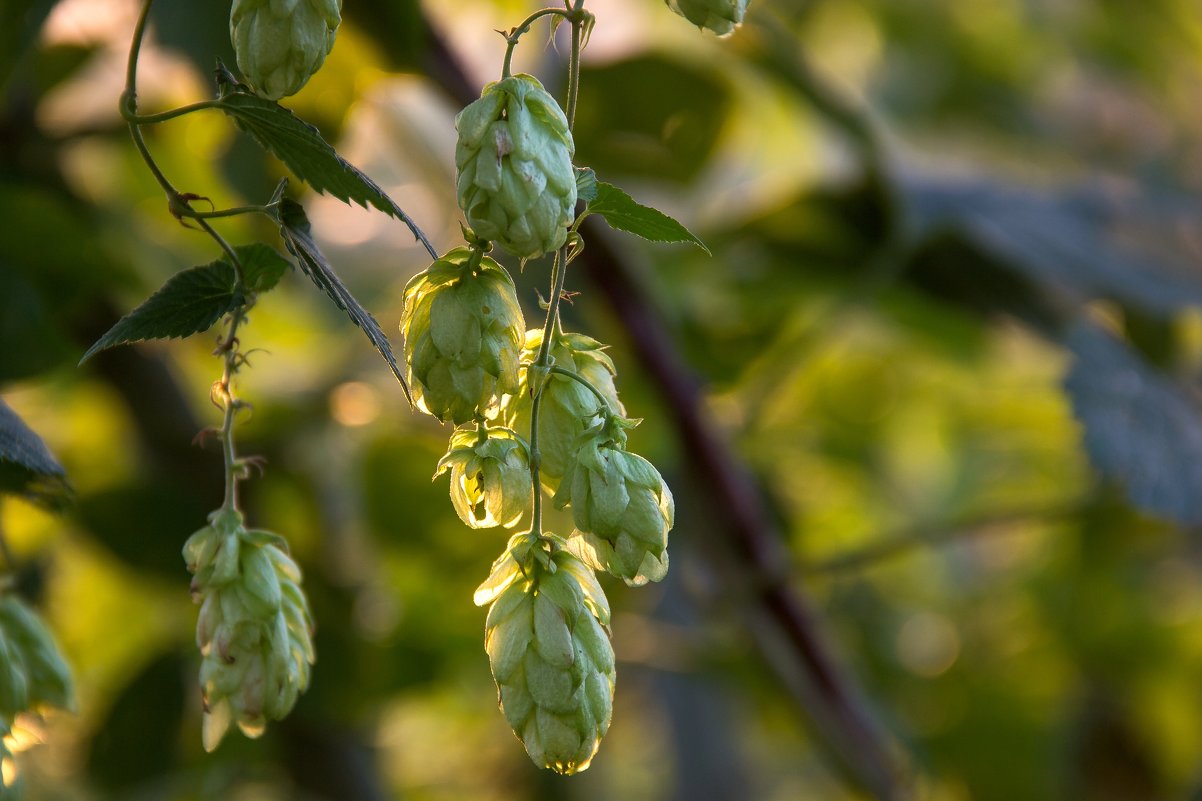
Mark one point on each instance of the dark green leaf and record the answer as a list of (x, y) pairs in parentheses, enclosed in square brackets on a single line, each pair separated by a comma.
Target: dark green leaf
[(190, 302), (27, 468), (1140, 428), (262, 266), (294, 227), (623, 213), (301, 147), (586, 184)]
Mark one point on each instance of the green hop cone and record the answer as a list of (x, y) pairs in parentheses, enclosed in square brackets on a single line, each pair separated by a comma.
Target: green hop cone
[(281, 43), (254, 629), (621, 506), (567, 408), (516, 184), (719, 16), (490, 476), (463, 332), (549, 652), (32, 647)]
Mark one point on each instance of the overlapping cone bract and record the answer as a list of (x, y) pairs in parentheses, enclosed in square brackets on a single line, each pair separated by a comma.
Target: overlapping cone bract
[(33, 673), (254, 630), (515, 183), (463, 333), (281, 43), (550, 655), (567, 408), (621, 506), (490, 476), (719, 16)]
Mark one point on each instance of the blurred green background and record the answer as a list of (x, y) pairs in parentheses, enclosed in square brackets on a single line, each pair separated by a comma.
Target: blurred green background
[(950, 327)]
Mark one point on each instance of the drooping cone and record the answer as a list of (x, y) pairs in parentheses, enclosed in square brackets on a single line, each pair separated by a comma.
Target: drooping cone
[(516, 184), (254, 630), (281, 43), (490, 476), (549, 651), (33, 651), (463, 333), (621, 506), (719, 16), (568, 408)]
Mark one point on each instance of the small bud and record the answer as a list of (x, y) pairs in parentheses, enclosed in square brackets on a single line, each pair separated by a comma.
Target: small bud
[(281, 43), (516, 183), (490, 476), (463, 331), (719, 16)]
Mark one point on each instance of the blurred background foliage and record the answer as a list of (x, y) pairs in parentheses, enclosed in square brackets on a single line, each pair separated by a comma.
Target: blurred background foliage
[(951, 326)]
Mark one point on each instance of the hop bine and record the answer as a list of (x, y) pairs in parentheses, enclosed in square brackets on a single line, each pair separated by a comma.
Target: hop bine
[(549, 651), (463, 332), (254, 630), (516, 184), (280, 44)]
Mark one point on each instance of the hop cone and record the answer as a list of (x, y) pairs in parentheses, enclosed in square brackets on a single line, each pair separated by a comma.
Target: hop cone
[(463, 331), (568, 408), (254, 628), (281, 43), (720, 16), (490, 476), (516, 183), (549, 652), (33, 672), (621, 506)]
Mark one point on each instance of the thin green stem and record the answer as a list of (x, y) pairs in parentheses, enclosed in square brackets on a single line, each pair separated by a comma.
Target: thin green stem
[(164, 116), (511, 41), (579, 379), (228, 348), (577, 21)]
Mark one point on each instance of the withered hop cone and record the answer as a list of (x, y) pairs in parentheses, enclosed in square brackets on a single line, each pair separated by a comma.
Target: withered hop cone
[(254, 630), (567, 408), (281, 43), (621, 506), (516, 183), (490, 476), (463, 333), (549, 651)]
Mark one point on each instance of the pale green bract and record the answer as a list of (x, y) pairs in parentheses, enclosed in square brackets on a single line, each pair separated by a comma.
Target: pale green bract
[(490, 476), (463, 332), (719, 16), (515, 183), (254, 630), (549, 651), (567, 408), (621, 506), (281, 43)]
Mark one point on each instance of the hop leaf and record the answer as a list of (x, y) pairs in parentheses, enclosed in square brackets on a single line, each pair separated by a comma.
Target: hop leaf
[(281, 43), (490, 476), (621, 506), (550, 655), (567, 408), (463, 329), (719, 16), (254, 630), (516, 184)]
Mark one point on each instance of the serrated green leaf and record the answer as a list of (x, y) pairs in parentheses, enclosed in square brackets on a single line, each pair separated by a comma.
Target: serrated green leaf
[(623, 213), (262, 266), (27, 468), (586, 184), (294, 227), (303, 150), (190, 302)]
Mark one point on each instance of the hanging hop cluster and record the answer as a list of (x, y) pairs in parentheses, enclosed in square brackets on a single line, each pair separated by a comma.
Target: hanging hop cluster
[(516, 184), (33, 674), (280, 44), (463, 329), (567, 407), (719, 16), (549, 651), (254, 630)]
